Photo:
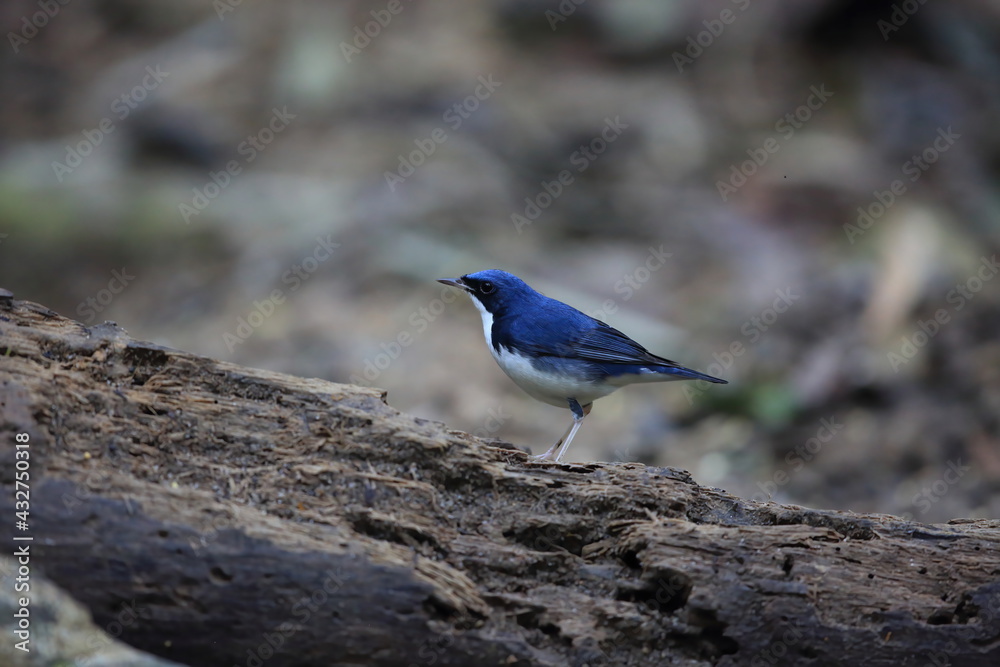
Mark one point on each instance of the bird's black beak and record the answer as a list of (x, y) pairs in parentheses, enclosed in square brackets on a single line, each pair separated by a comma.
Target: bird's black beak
[(454, 282)]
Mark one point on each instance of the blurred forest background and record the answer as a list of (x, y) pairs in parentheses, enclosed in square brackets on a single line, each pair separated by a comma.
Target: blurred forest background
[(800, 197)]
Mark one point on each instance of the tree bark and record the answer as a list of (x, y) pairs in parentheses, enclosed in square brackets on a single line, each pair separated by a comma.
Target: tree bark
[(254, 518)]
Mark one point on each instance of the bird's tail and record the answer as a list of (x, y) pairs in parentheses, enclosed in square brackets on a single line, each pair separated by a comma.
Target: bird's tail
[(623, 374), (688, 374)]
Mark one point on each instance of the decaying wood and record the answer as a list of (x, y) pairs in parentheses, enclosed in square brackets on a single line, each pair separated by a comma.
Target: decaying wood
[(253, 518), (60, 631)]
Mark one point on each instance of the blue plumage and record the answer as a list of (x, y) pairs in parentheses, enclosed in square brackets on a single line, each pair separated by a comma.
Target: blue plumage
[(558, 354)]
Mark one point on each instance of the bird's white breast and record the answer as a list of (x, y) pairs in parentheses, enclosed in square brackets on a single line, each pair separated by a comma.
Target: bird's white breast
[(548, 387), (487, 325)]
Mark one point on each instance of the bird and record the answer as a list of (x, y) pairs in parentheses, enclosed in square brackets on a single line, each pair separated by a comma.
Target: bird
[(557, 354)]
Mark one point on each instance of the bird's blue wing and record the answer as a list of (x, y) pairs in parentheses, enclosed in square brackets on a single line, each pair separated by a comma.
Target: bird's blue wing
[(558, 330), (605, 343), (565, 334), (617, 354)]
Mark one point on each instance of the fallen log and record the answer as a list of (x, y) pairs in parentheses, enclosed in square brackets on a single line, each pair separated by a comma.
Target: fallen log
[(62, 632), (254, 518)]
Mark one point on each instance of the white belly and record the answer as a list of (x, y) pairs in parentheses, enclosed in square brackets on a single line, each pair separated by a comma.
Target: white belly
[(552, 388)]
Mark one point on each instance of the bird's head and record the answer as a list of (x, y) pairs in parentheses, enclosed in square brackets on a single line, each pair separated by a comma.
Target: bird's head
[(493, 290)]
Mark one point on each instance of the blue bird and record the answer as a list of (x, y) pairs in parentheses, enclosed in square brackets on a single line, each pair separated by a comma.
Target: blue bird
[(557, 354)]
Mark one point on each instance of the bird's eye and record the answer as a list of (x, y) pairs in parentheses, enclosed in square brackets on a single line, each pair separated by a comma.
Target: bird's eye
[(487, 288)]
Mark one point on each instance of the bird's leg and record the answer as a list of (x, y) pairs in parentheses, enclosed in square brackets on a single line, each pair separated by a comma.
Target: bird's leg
[(579, 412), (547, 456)]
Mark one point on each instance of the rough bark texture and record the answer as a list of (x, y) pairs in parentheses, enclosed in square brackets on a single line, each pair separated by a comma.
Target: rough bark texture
[(253, 518)]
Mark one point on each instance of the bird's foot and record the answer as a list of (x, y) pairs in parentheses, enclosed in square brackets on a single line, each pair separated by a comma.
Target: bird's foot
[(547, 456)]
